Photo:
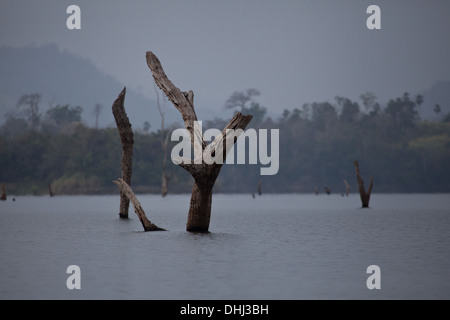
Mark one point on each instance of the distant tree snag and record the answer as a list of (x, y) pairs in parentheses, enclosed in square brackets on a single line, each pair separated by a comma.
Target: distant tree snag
[(365, 196), (3, 196), (50, 191), (204, 174), (347, 188), (164, 179), (164, 145), (127, 138), (128, 192)]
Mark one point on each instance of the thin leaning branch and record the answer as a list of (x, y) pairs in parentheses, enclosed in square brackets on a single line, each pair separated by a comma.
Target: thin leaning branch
[(164, 136), (128, 192)]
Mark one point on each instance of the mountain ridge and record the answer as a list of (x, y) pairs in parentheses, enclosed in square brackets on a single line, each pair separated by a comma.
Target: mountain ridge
[(64, 78)]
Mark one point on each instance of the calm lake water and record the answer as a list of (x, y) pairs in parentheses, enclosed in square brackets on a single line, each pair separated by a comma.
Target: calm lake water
[(270, 247)]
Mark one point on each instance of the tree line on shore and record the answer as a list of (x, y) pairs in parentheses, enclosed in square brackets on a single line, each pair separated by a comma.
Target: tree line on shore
[(318, 145)]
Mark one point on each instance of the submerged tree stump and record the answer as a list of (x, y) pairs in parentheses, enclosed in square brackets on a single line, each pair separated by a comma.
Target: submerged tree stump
[(365, 195), (3, 195), (128, 192), (204, 173), (127, 139), (50, 191)]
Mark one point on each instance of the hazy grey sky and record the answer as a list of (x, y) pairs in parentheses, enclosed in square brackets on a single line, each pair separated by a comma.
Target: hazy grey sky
[(293, 51)]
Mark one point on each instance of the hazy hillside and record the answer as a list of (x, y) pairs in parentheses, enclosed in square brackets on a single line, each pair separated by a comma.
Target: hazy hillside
[(63, 78)]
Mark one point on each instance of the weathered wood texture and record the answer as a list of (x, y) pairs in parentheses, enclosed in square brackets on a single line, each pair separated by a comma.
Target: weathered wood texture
[(127, 138), (128, 192), (204, 173), (365, 195)]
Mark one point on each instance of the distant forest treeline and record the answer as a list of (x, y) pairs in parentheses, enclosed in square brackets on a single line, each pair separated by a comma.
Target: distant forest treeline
[(318, 144)]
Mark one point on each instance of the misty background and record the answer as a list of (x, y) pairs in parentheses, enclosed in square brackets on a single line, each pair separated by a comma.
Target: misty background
[(300, 56), (293, 52)]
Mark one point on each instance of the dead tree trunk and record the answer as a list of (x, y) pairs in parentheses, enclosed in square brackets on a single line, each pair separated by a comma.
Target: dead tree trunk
[(204, 173), (365, 195), (3, 196), (127, 138), (128, 192), (200, 208)]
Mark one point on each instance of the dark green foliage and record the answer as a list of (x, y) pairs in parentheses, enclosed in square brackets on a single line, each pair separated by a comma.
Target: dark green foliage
[(84, 161), (318, 144), (64, 114)]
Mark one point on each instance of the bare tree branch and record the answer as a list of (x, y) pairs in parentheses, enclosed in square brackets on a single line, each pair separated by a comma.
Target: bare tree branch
[(206, 172)]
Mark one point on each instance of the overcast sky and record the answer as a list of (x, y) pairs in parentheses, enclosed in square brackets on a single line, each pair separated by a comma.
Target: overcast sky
[(292, 51)]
